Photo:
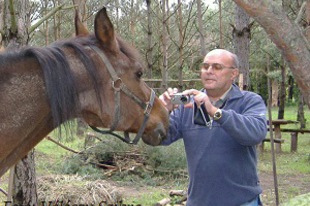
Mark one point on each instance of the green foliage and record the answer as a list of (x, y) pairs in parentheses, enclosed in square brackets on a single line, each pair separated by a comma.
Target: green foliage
[(75, 165), (167, 158)]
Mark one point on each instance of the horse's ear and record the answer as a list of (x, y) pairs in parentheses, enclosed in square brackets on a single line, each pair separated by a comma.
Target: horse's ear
[(80, 28), (104, 30)]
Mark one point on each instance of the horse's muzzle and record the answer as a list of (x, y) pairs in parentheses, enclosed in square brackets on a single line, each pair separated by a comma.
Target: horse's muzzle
[(156, 136)]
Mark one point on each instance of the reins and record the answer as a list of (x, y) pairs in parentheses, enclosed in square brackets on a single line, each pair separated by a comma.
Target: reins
[(118, 86)]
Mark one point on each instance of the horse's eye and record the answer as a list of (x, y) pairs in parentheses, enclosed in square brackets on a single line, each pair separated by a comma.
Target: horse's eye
[(139, 74)]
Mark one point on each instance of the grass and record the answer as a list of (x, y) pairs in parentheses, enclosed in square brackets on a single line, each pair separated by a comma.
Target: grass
[(293, 169), (290, 163)]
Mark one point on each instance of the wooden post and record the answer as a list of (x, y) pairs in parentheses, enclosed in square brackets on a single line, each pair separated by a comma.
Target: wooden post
[(277, 132), (10, 184), (294, 140), (241, 81), (273, 159)]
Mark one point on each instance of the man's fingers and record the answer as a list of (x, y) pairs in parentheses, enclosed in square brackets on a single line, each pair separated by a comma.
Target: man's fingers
[(191, 91), (190, 104), (175, 90)]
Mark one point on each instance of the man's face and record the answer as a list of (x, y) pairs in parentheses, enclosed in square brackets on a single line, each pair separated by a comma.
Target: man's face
[(218, 72)]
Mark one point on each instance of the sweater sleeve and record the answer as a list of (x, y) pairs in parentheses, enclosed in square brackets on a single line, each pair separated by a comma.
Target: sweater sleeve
[(249, 126)]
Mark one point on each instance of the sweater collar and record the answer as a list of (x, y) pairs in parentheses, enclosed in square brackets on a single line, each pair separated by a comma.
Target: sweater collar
[(234, 92)]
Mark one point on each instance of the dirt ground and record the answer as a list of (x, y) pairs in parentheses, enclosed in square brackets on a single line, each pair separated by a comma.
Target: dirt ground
[(288, 187)]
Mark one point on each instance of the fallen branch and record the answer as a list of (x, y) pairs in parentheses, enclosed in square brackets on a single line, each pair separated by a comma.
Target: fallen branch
[(177, 193), (63, 146), (90, 134), (111, 167), (182, 193), (162, 202)]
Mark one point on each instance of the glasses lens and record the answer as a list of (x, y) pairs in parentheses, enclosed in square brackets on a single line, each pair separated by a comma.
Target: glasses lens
[(205, 66), (217, 66)]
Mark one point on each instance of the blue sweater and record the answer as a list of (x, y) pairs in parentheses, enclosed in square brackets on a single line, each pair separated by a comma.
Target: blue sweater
[(222, 160)]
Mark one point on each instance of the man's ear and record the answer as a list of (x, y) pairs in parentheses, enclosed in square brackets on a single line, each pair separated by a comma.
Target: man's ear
[(104, 30), (80, 28), (234, 73)]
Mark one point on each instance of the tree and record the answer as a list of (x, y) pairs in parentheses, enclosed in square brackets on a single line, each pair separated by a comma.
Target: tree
[(180, 45), (286, 35), (164, 47), (203, 51), (149, 40), (241, 35), (15, 35)]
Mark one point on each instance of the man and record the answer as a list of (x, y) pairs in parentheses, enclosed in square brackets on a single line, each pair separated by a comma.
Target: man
[(221, 156)]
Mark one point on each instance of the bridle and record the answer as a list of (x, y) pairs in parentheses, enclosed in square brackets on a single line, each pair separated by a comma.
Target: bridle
[(118, 86)]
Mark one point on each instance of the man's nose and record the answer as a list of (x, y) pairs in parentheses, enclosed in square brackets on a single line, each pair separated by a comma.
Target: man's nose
[(209, 69)]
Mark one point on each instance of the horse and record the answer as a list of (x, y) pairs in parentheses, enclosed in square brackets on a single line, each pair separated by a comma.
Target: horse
[(94, 76)]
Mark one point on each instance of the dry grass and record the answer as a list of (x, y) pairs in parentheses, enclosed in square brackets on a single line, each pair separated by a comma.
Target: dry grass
[(77, 189)]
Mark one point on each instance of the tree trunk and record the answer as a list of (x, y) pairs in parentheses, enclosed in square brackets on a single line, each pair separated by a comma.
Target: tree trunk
[(59, 18), (117, 14), (203, 50), (46, 33), (55, 21), (286, 35), (132, 23), (241, 35), (275, 93), (290, 88), (149, 41), (282, 91), (180, 46), (301, 114), (15, 36), (307, 26), (164, 47), (25, 187), (220, 21)]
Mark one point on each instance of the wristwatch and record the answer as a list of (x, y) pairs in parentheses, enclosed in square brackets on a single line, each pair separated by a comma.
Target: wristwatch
[(217, 115)]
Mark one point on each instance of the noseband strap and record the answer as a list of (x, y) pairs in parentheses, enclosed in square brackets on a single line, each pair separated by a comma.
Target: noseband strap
[(118, 86)]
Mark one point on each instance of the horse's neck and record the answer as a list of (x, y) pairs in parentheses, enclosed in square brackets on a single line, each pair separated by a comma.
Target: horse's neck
[(24, 109), (22, 96)]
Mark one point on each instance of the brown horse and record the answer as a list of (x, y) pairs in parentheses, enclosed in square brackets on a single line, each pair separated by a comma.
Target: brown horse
[(41, 88)]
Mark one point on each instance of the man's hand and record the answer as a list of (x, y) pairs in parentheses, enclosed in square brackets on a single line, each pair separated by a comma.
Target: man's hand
[(166, 98), (199, 98)]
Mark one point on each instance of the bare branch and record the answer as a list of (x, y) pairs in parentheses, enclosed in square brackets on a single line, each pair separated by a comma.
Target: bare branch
[(47, 16), (301, 12), (3, 191), (63, 146)]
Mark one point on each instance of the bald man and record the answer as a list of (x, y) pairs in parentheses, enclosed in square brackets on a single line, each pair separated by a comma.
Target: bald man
[(220, 128)]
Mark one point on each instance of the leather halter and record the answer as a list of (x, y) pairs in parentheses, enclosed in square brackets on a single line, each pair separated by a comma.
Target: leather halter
[(118, 86)]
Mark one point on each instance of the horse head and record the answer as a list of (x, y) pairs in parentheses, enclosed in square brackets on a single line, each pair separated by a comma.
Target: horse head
[(126, 102)]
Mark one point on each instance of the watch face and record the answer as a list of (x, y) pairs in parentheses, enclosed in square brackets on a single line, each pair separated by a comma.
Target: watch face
[(217, 114)]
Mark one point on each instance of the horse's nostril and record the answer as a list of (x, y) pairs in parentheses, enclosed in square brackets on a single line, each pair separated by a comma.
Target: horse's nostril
[(156, 136)]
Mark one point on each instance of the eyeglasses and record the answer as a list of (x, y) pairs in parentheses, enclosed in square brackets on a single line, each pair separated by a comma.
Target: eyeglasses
[(215, 66)]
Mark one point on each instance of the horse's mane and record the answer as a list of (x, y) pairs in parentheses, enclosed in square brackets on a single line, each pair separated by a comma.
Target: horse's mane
[(60, 83)]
